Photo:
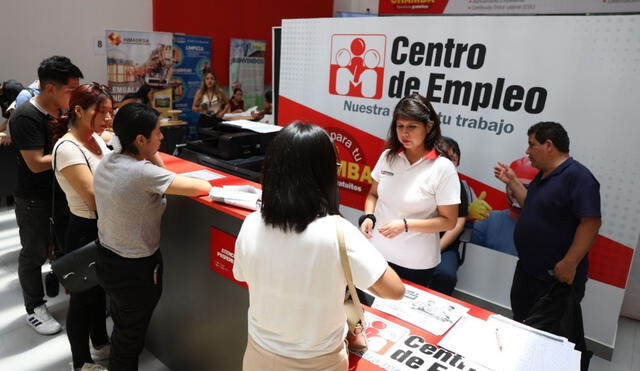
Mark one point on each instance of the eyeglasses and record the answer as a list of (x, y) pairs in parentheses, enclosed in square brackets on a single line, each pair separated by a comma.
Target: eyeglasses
[(103, 89)]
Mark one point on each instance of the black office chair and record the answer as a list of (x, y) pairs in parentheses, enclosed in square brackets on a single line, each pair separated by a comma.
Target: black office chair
[(464, 238)]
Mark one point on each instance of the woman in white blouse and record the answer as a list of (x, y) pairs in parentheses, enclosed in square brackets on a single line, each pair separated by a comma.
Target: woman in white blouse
[(76, 155)]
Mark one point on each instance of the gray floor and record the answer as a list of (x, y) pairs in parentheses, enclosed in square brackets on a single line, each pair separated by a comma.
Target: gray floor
[(22, 349)]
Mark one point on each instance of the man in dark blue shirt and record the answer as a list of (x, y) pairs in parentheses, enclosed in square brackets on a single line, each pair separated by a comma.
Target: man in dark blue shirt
[(560, 218)]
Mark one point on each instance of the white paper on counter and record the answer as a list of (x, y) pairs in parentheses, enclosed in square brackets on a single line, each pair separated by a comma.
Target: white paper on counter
[(425, 310), (258, 127), (203, 174), (501, 344), (245, 196), (246, 113)]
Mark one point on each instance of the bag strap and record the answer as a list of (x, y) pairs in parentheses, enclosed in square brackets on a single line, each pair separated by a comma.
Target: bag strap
[(54, 181), (346, 267)]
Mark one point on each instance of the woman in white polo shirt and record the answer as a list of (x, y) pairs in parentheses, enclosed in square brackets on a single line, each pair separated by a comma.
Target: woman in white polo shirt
[(288, 254), (415, 192)]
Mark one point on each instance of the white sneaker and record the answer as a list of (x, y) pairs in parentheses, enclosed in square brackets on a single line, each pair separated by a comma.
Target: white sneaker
[(92, 367), (42, 321), (99, 354)]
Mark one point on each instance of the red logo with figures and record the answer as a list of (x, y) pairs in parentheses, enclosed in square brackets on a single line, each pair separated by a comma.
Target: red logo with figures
[(357, 65)]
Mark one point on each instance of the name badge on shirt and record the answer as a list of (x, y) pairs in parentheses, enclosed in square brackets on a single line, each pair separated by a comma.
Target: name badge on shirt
[(384, 172)]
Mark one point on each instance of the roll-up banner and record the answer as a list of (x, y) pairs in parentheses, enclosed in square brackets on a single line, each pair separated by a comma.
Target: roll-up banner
[(246, 70), (135, 58), (507, 6), (490, 79), (192, 55)]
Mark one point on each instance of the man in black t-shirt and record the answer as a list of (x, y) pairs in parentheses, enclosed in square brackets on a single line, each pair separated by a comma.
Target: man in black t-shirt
[(33, 195)]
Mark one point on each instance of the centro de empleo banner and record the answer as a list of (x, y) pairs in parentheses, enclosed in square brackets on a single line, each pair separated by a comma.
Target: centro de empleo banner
[(490, 79)]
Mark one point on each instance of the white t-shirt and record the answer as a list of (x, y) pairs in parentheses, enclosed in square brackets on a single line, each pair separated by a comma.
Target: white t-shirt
[(412, 191), (130, 202), (66, 154), (297, 285)]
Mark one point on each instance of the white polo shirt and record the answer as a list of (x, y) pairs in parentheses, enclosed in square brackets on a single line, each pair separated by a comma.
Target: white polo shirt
[(413, 191)]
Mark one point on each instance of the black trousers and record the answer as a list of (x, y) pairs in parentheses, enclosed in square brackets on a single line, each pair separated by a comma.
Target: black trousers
[(527, 288), (86, 316), (134, 287), (33, 222), (420, 276)]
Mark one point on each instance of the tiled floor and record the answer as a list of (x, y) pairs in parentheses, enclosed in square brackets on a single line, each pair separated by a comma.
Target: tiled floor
[(22, 349)]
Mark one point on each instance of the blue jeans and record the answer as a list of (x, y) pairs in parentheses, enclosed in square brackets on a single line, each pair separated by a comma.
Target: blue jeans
[(445, 276)]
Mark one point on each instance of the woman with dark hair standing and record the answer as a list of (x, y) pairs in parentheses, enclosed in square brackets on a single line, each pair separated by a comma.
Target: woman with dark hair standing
[(210, 101), (415, 192), (288, 254), (130, 185), (76, 155)]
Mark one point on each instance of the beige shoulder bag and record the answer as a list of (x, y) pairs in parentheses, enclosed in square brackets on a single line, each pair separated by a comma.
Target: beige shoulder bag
[(355, 314)]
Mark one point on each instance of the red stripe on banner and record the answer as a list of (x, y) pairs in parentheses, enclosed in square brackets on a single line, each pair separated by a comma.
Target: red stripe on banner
[(609, 261), (358, 151), (412, 7)]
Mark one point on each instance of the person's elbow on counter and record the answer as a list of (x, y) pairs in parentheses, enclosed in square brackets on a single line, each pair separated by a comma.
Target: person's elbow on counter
[(388, 286)]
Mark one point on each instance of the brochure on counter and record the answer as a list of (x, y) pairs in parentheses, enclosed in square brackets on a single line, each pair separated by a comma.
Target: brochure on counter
[(425, 310), (245, 196)]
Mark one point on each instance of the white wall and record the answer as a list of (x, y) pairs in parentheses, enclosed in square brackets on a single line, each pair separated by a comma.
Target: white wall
[(355, 6), (31, 30)]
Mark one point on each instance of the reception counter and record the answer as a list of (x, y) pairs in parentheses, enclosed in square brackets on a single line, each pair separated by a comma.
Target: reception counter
[(200, 322)]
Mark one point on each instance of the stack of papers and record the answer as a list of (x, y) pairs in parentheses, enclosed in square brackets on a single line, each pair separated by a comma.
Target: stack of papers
[(501, 344), (244, 196), (258, 127), (246, 113), (425, 310)]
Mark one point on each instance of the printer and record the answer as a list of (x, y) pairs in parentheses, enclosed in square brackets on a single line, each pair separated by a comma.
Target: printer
[(229, 148)]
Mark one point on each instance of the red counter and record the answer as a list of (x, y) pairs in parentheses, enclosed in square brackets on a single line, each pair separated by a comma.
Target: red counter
[(228, 300)]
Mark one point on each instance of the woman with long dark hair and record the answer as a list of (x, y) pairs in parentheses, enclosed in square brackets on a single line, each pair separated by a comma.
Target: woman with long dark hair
[(415, 192), (76, 154), (130, 185), (288, 254)]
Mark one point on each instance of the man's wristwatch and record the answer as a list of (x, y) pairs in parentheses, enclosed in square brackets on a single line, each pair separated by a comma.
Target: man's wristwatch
[(367, 216)]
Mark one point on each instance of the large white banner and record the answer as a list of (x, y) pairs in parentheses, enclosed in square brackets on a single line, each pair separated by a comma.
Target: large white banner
[(490, 78)]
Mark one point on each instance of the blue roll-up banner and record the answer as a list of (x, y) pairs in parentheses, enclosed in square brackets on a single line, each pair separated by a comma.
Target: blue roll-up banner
[(192, 55)]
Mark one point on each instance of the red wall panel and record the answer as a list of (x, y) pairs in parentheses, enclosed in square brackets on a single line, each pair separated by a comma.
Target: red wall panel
[(224, 20)]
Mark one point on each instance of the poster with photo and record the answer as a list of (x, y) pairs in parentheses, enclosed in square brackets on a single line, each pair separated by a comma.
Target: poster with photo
[(192, 56), (138, 58), (246, 70)]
